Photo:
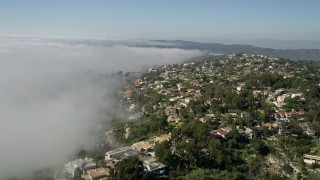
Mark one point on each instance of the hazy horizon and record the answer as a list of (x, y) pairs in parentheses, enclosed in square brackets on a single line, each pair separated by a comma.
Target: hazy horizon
[(262, 43)]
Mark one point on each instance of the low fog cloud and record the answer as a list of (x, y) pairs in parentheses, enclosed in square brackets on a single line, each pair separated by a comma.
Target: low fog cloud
[(51, 98)]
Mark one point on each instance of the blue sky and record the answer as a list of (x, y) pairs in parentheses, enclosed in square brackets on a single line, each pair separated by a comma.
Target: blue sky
[(201, 20)]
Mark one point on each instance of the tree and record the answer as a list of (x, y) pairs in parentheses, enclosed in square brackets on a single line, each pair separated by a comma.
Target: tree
[(260, 147), (201, 135), (128, 168), (215, 151), (186, 149), (158, 122), (200, 174), (163, 152)]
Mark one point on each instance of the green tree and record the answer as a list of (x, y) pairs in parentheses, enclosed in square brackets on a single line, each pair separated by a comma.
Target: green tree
[(260, 147), (158, 123), (201, 135), (128, 169), (215, 151), (163, 152)]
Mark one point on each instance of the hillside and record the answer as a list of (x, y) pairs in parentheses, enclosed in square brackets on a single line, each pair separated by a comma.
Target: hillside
[(300, 54), (240, 116)]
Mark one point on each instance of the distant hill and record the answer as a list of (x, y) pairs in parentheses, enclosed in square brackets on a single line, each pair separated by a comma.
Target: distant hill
[(209, 48), (273, 43), (296, 54)]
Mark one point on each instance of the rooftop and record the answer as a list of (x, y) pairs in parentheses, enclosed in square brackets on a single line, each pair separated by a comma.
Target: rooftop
[(163, 137), (98, 173), (122, 149), (312, 157), (143, 145)]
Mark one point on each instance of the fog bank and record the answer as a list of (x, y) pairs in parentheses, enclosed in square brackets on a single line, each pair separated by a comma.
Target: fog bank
[(53, 92)]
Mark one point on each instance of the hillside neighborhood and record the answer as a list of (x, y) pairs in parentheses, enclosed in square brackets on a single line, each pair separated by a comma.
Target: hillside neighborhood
[(239, 116)]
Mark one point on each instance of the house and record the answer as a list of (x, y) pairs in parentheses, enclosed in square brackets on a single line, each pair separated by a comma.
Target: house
[(279, 104), (117, 153), (311, 159), (270, 126), (132, 87), (270, 97), (142, 146), (256, 93), (112, 164), (95, 174), (180, 86), (301, 111), (174, 99), (240, 87), (191, 91), (222, 132), (159, 86), (245, 115), (132, 106), (280, 99), (173, 118), (182, 95), (205, 119), (283, 131), (163, 137), (187, 100), (127, 93), (86, 166), (209, 118), (200, 85), (282, 115), (279, 91), (194, 82), (293, 95), (310, 132), (71, 166), (152, 167), (232, 111), (190, 140), (183, 105), (178, 106), (138, 82), (171, 110), (233, 115), (246, 131), (307, 129), (162, 91)]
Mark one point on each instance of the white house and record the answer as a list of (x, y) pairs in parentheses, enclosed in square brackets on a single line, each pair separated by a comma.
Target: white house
[(311, 159), (117, 153)]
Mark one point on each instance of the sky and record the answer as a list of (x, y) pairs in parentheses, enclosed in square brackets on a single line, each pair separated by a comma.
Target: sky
[(204, 20)]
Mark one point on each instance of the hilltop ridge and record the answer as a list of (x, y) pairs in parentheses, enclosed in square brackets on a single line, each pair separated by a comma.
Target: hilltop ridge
[(293, 54)]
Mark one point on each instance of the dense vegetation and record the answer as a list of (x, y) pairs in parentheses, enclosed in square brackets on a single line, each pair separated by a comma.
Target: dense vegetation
[(193, 152)]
